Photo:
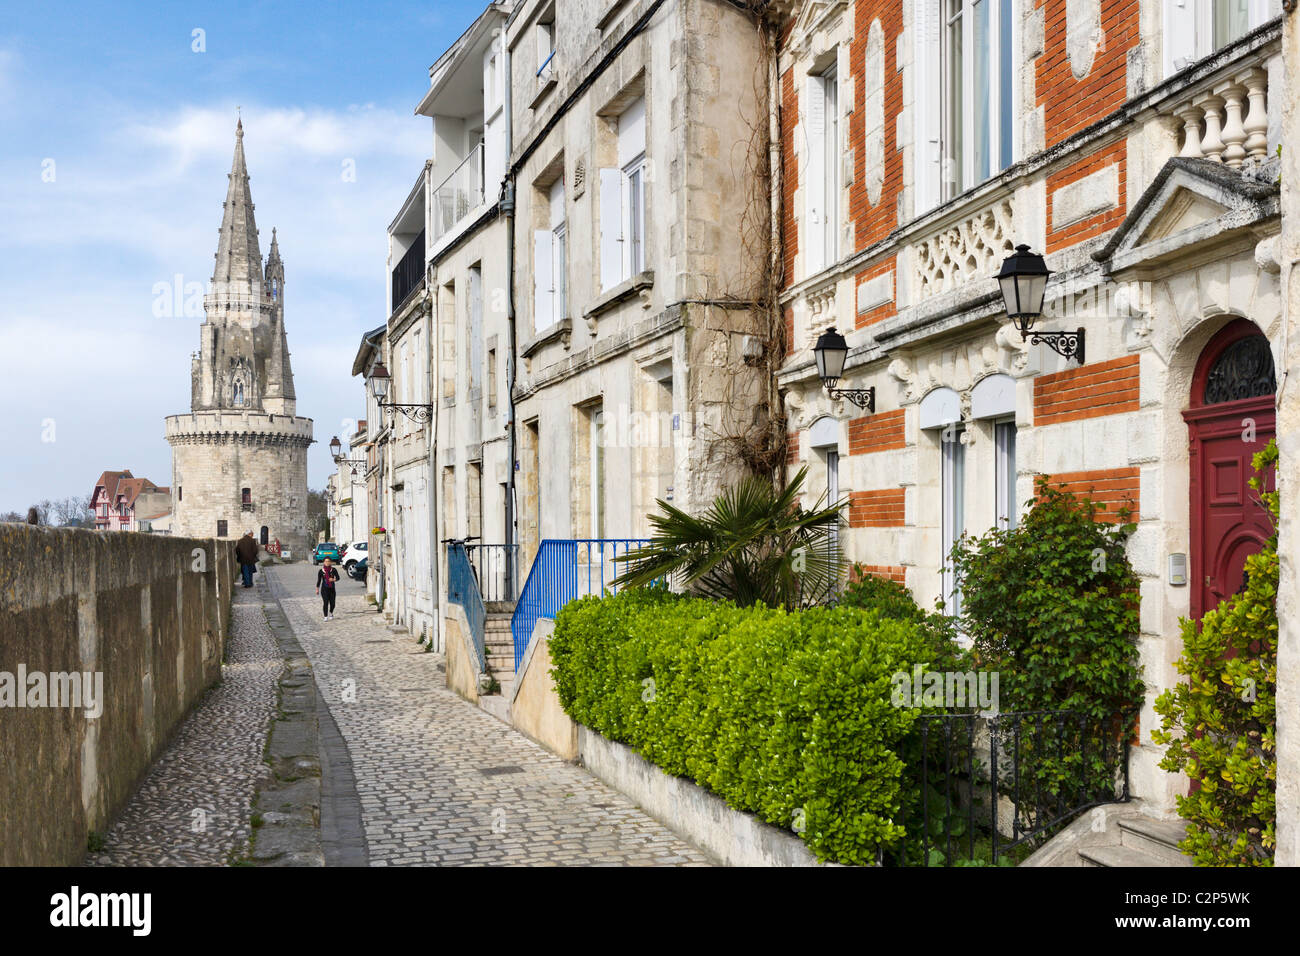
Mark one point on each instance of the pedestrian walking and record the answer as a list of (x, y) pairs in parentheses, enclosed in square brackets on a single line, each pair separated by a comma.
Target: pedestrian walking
[(246, 551), (325, 579)]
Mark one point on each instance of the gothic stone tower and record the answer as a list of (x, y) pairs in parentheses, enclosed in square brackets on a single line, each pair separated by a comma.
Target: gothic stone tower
[(239, 458)]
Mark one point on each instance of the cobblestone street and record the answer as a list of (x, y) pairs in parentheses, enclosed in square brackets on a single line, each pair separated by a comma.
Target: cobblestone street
[(194, 805), (440, 781)]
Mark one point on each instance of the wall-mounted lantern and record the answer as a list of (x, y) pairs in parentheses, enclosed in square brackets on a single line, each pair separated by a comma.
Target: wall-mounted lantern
[(379, 382), (1023, 280), (830, 351)]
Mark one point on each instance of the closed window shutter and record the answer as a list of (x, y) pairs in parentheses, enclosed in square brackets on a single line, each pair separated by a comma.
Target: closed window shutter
[(611, 228), (927, 107), (814, 203), (543, 293), (1179, 34)]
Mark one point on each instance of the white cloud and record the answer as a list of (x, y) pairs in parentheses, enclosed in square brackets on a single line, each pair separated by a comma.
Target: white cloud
[(136, 200)]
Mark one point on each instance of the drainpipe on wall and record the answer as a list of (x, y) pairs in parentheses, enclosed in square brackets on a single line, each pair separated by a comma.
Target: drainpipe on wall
[(431, 359), (508, 211)]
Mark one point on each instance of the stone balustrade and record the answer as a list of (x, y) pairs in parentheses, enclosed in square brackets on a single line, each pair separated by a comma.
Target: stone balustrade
[(1226, 122)]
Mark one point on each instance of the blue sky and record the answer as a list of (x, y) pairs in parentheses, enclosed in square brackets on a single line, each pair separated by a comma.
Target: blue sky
[(115, 140)]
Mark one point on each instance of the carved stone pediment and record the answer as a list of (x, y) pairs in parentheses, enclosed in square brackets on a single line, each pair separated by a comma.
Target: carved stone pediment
[(813, 17), (1193, 211)]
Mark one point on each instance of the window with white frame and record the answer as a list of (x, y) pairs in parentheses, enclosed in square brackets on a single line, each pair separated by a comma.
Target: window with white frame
[(822, 195), (549, 256), (993, 401), (546, 46), (940, 414), (1004, 470), (1193, 29), (622, 202), (965, 109), (953, 482)]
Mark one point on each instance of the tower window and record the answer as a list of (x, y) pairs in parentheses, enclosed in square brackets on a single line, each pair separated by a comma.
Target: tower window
[(221, 529), (247, 496)]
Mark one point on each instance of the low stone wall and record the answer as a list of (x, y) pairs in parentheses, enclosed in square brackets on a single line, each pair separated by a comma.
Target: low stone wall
[(734, 837), (462, 663), (141, 620), (534, 706)]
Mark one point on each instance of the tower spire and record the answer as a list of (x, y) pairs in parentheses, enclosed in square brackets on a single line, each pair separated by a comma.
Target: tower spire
[(239, 258)]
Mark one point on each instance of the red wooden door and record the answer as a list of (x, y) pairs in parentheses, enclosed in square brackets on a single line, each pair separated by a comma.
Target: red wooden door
[(1231, 419)]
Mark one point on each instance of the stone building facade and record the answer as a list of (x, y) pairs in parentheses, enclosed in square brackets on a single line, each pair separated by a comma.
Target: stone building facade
[(1133, 143), (637, 128), (239, 458)]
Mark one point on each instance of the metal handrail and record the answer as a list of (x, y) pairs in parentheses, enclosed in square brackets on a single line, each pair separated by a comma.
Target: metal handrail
[(462, 589), (556, 578)]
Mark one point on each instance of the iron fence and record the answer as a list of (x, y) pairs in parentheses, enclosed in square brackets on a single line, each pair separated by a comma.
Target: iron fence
[(984, 790), (494, 569)]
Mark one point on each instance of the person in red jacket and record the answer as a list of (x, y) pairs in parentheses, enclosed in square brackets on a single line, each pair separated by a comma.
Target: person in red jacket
[(325, 579)]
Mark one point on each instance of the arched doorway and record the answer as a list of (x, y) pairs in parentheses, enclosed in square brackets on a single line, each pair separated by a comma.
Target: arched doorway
[(266, 535), (1230, 418)]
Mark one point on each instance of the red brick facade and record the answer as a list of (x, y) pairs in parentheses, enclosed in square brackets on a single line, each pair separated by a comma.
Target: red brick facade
[(876, 509), (1113, 487), (881, 432), (1090, 391), (789, 176), (873, 223), (890, 572), (1070, 104), (1116, 154)]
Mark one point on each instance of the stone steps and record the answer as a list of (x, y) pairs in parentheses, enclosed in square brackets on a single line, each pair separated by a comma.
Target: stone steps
[(1142, 842)]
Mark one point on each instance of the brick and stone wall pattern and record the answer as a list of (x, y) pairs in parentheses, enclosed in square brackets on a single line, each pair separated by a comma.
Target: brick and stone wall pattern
[(1090, 391)]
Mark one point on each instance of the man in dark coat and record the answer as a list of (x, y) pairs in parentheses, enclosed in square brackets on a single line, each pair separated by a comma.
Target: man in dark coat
[(247, 551)]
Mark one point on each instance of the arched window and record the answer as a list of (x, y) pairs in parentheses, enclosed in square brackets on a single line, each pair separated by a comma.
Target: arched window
[(266, 534)]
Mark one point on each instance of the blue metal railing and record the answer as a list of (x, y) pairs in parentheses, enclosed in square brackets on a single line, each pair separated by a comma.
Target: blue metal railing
[(563, 571), (462, 589)]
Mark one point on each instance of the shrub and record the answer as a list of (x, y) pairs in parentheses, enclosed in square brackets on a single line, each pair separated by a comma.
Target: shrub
[(1052, 606), (783, 714), (1225, 714)]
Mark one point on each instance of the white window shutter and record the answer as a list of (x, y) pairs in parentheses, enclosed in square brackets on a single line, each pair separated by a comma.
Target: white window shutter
[(1179, 34), (611, 227), (543, 293), (927, 116), (813, 235)]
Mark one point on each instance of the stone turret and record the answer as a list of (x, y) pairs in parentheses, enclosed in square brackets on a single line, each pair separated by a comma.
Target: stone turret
[(239, 459)]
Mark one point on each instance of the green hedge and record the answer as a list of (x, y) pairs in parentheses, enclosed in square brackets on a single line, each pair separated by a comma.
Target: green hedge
[(785, 715)]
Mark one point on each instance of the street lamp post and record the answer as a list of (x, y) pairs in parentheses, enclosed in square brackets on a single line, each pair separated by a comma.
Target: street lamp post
[(1023, 281)]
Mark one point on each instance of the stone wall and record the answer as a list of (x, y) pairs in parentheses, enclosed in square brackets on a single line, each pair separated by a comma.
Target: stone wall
[(146, 615)]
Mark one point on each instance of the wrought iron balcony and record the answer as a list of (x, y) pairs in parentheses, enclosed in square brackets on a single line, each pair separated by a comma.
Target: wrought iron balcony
[(409, 272)]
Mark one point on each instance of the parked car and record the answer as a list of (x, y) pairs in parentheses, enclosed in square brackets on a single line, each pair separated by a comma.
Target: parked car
[(353, 554), (327, 549), (358, 570)]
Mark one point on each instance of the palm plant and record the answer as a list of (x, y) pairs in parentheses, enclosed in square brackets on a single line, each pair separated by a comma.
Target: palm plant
[(754, 544)]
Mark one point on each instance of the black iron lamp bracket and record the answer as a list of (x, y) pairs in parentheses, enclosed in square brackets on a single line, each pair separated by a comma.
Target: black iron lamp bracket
[(1065, 344), (420, 414), (861, 397)]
